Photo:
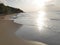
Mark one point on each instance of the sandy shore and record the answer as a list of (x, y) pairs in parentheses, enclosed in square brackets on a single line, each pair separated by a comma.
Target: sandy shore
[(7, 36), (7, 17)]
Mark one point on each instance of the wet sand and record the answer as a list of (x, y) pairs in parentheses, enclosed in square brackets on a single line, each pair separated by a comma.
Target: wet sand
[(8, 37)]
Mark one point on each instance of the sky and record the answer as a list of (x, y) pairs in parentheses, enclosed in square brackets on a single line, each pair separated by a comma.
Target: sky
[(27, 5)]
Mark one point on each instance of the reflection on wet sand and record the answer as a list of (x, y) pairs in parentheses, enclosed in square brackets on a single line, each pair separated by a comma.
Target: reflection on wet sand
[(8, 37)]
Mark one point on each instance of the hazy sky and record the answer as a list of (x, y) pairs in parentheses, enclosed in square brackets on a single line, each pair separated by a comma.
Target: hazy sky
[(26, 5)]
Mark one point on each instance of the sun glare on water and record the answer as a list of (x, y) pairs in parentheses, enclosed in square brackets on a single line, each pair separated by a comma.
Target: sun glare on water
[(41, 19), (41, 15)]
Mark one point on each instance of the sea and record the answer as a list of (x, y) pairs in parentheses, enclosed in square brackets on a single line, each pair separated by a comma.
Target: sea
[(42, 26)]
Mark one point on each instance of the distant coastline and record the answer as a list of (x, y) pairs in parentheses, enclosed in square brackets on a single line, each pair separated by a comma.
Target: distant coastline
[(9, 10)]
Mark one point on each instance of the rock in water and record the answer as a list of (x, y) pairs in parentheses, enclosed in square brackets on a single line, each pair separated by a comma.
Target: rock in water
[(8, 10)]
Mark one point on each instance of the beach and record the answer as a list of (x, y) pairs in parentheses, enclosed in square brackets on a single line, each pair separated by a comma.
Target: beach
[(31, 28), (8, 37)]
